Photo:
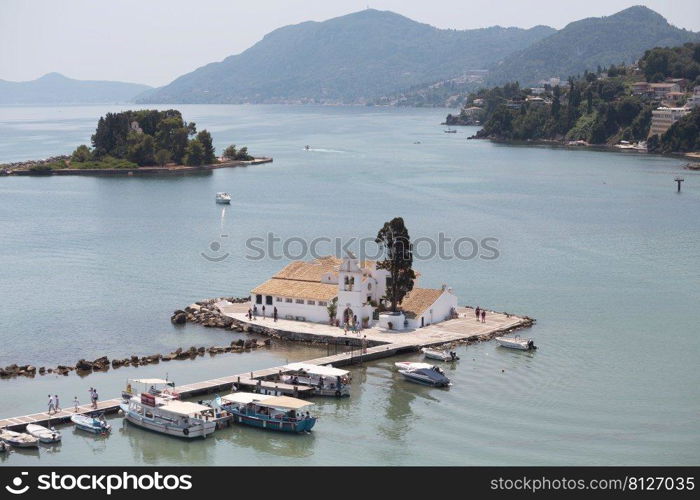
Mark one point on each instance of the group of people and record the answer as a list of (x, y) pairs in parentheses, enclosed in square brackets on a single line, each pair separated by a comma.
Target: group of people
[(253, 313), (55, 404), (353, 326), (480, 313)]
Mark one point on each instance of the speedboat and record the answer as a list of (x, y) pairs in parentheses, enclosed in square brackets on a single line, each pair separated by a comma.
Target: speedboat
[(224, 198), (277, 413), (434, 377), (96, 425), (168, 416), (44, 434), (18, 439), (326, 380), (307, 147), (516, 343), (163, 388), (409, 365), (440, 355)]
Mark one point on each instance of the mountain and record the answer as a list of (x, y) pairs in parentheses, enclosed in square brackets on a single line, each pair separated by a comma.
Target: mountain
[(589, 43), (55, 88), (352, 58)]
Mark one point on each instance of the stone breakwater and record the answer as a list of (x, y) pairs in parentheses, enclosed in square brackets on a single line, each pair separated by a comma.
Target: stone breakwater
[(204, 313)]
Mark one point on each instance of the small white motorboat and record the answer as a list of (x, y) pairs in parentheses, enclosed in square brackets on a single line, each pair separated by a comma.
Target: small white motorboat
[(434, 376), (96, 425), (44, 434), (18, 439), (224, 198), (516, 343), (440, 355), (410, 365)]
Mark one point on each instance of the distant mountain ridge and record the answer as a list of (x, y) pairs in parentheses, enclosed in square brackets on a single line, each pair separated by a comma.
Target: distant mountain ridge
[(586, 44), (351, 58), (54, 88)]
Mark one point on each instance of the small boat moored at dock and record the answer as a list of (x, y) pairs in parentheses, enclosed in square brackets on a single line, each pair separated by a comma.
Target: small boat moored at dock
[(96, 425), (18, 439), (440, 355), (409, 365), (44, 434), (175, 418), (434, 377), (326, 380), (223, 198), (278, 413), (516, 343)]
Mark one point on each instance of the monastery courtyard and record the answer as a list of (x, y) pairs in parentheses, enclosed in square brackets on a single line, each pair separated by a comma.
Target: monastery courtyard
[(465, 327)]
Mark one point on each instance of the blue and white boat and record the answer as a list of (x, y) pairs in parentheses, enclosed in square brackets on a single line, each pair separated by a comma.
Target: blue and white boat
[(277, 413), (96, 425)]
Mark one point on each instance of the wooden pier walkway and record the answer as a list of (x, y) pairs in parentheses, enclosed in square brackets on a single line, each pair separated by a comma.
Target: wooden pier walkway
[(250, 381)]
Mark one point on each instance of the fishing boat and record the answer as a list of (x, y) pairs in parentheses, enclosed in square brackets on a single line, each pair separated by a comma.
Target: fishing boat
[(18, 439), (96, 425), (162, 388), (44, 434), (516, 343), (167, 416), (409, 365), (434, 376), (224, 198), (326, 380), (446, 355), (277, 413)]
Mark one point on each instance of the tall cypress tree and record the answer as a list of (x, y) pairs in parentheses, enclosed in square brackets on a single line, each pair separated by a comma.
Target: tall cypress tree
[(395, 241)]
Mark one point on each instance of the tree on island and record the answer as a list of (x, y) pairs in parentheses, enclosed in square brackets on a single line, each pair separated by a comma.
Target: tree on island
[(195, 154), (204, 138), (162, 157), (81, 154), (394, 240), (231, 153)]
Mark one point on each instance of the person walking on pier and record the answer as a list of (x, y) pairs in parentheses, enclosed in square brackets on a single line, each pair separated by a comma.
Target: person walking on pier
[(263, 309), (483, 316), (255, 312), (56, 406), (477, 311), (93, 397), (52, 407), (274, 314), (75, 403), (249, 315)]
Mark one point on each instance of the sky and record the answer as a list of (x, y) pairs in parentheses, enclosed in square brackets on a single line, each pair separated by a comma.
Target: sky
[(155, 41)]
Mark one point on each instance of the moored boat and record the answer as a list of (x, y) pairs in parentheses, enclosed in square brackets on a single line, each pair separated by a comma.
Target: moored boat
[(96, 425), (434, 377), (440, 355), (224, 198), (167, 416), (409, 365), (277, 413), (44, 434), (516, 343), (326, 380), (18, 439), (162, 388)]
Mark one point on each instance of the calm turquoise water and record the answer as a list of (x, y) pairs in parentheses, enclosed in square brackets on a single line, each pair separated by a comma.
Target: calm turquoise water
[(596, 246)]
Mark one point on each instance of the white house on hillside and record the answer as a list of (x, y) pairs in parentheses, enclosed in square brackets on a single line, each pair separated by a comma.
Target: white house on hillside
[(303, 290)]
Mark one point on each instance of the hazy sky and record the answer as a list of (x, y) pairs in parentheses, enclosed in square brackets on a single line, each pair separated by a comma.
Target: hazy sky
[(154, 41)]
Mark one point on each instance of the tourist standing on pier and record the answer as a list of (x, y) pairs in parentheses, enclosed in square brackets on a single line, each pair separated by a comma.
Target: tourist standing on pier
[(75, 403), (255, 312), (483, 316), (274, 314), (263, 309), (56, 406), (477, 313), (51, 405)]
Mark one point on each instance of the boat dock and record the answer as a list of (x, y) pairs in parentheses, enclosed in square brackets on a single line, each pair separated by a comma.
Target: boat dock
[(372, 344)]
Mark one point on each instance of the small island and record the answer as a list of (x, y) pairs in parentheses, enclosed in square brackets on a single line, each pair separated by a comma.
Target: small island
[(142, 141)]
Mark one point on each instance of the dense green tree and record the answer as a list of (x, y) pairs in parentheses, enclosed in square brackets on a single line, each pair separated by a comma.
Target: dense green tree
[(230, 152), (243, 155), (162, 157), (140, 149), (194, 155), (82, 153), (204, 137), (394, 240)]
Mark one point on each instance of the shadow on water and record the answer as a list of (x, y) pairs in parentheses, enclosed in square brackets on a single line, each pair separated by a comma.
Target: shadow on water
[(281, 444)]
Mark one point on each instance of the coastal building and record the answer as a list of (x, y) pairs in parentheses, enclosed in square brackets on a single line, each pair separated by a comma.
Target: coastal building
[(641, 88), (537, 90), (303, 290), (694, 99), (662, 118), (660, 90)]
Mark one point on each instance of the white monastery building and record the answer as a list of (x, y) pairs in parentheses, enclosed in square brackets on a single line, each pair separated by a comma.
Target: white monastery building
[(302, 291)]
